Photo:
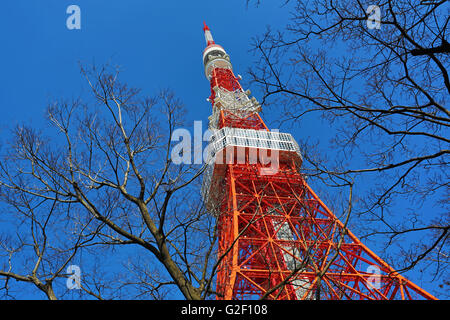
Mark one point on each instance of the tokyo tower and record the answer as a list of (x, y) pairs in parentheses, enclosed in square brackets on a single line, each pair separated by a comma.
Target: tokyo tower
[(277, 239)]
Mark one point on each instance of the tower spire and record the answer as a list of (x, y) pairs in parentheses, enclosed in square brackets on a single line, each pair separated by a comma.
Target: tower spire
[(277, 239), (208, 36)]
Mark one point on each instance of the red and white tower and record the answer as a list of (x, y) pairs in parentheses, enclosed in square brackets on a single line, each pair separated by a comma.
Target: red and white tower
[(277, 239)]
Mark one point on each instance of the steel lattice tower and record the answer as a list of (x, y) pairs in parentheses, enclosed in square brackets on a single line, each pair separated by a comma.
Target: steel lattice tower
[(277, 239)]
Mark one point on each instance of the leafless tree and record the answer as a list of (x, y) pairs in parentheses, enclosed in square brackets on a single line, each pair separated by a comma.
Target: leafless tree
[(99, 183), (384, 93)]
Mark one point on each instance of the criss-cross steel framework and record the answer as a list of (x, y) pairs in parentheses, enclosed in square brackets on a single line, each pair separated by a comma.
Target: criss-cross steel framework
[(277, 239)]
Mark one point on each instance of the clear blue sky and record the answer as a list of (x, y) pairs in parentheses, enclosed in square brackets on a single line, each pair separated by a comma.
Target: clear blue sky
[(159, 45)]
